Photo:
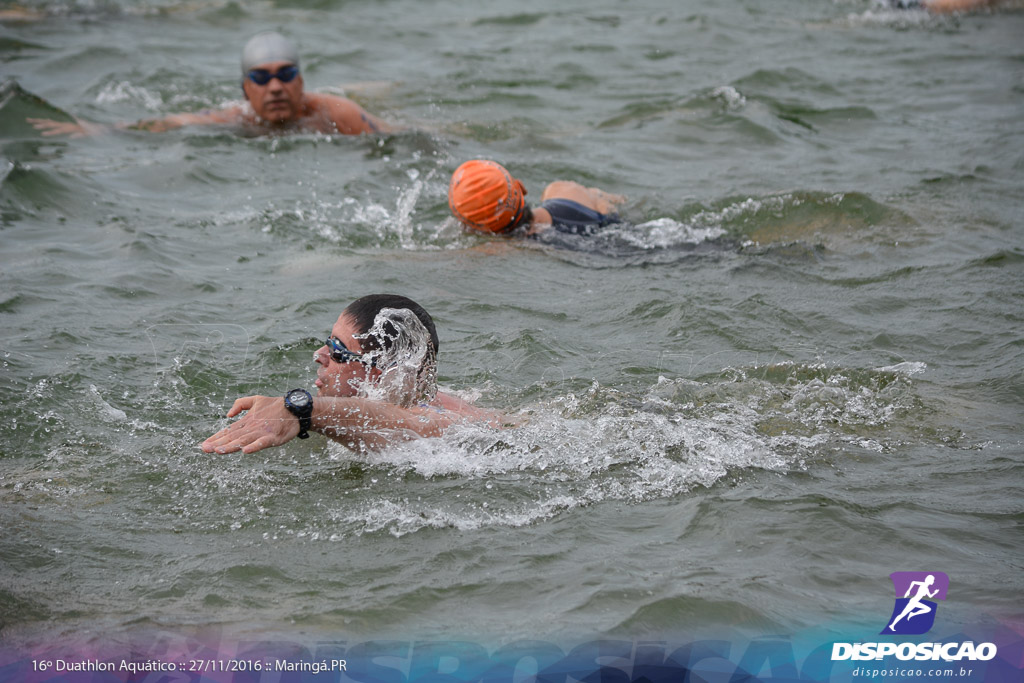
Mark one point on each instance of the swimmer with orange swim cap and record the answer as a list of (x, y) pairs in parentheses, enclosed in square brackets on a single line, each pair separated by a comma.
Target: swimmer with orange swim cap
[(484, 196)]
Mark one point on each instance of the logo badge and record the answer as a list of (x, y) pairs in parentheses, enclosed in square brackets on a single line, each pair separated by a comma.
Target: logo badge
[(916, 592)]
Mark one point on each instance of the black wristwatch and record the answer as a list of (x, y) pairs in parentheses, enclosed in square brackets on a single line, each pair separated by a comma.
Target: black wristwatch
[(299, 403)]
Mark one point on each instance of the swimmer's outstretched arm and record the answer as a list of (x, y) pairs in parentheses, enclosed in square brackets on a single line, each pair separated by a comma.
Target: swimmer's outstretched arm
[(354, 422), (80, 128), (202, 118)]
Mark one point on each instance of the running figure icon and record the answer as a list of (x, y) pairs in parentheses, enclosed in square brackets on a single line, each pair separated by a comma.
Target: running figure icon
[(915, 607), (916, 593)]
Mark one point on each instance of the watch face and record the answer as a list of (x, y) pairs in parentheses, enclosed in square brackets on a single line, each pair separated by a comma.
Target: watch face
[(299, 398)]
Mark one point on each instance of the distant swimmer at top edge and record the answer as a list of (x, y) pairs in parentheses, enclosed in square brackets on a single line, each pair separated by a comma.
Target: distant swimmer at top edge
[(276, 102), (485, 197), (945, 6)]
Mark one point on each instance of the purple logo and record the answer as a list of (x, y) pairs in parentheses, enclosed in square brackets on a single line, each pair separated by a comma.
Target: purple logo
[(914, 611)]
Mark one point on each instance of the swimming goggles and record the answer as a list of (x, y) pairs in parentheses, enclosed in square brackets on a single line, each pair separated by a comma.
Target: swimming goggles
[(340, 353), (286, 74)]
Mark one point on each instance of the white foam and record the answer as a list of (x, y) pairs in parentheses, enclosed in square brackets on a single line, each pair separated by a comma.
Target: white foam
[(125, 91), (408, 370), (730, 96), (107, 411), (662, 233), (905, 368)]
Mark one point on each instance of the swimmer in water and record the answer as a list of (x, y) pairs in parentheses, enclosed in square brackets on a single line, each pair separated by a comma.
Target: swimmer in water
[(276, 102), (943, 6), (376, 384), (484, 196)]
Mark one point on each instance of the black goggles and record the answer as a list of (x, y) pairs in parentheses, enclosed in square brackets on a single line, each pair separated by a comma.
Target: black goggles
[(286, 74), (340, 353)]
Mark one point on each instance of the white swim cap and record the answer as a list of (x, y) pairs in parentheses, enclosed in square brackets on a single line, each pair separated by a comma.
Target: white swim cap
[(265, 47)]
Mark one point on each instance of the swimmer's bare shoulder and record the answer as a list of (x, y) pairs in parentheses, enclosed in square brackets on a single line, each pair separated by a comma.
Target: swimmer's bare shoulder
[(347, 116), (593, 197)]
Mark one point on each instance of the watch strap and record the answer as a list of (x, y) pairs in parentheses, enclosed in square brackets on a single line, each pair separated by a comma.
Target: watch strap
[(303, 413)]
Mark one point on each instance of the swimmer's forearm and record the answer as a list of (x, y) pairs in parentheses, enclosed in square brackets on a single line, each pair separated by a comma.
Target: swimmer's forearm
[(150, 125), (203, 118), (82, 128), (341, 418)]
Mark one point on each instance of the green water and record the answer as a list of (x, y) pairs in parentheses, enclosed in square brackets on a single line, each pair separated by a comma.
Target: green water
[(798, 370)]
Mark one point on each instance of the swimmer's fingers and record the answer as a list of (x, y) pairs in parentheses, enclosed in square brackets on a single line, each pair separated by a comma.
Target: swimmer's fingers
[(50, 127), (267, 423), (260, 444), (224, 441), (250, 436), (220, 443), (73, 129)]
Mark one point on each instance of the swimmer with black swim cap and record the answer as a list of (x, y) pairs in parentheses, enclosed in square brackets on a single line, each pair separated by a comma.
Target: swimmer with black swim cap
[(375, 385)]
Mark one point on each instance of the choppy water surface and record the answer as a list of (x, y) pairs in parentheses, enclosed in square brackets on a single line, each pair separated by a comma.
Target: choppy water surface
[(796, 371)]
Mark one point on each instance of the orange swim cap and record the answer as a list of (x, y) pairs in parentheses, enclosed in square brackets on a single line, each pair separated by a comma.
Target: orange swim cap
[(485, 197)]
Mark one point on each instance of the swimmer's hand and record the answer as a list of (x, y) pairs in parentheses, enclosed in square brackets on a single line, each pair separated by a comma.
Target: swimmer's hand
[(74, 129), (268, 423)]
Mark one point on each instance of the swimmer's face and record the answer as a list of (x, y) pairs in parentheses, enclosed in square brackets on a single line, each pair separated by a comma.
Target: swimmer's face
[(342, 379), (275, 101)]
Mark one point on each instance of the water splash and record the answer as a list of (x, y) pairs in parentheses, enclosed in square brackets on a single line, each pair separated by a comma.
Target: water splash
[(604, 445), (400, 347), (732, 98), (402, 222), (107, 411), (666, 233), (125, 91)]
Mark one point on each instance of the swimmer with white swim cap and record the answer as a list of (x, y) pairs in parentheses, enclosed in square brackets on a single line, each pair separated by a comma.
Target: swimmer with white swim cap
[(276, 101), (268, 46)]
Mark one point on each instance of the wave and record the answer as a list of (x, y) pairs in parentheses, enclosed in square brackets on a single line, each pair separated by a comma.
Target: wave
[(571, 449), (17, 105), (418, 220), (601, 444)]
